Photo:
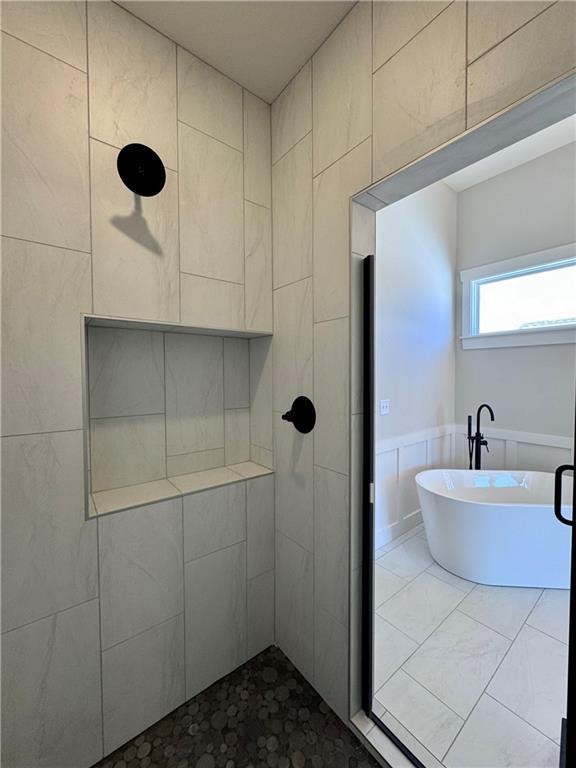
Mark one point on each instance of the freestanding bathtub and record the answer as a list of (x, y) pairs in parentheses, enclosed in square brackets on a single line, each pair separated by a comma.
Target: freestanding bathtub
[(497, 527)]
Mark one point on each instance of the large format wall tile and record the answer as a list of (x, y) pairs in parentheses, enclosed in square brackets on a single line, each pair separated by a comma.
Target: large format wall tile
[(331, 395), (209, 101), (292, 214), (260, 600), (141, 582), (57, 28), (260, 525), (237, 435), (51, 705), (48, 549), (127, 450), (213, 520), (489, 22), (143, 680), (419, 95), (295, 604), (395, 24), (331, 661), (215, 616), (211, 303), (261, 432), (292, 113), (134, 244), (236, 373), (45, 194), (293, 343), (211, 207), (258, 266), (132, 82), (126, 372), (540, 52), (196, 461), (342, 88), (194, 393), (257, 151), (332, 192), (44, 292)]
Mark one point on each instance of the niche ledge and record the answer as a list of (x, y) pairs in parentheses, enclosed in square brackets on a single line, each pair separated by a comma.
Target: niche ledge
[(130, 496), (104, 321)]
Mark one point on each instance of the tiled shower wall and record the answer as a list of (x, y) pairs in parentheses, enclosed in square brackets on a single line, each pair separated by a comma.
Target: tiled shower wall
[(394, 81)]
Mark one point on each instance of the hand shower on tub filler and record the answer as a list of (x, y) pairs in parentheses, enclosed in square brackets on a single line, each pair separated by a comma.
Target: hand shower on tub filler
[(476, 441)]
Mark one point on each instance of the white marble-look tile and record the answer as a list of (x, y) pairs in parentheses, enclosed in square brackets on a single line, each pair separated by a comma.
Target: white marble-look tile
[(261, 456), (332, 191), (395, 24), (295, 604), (363, 235), (391, 649), (134, 244), (131, 496), (202, 481), (44, 291), (194, 393), (211, 235), (551, 613), (457, 661), (408, 559), (293, 344), (494, 736), (292, 214), (213, 520), (127, 451), (260, 525), (143, 680), (45, 180), (132, 82), (294, 461), (236, 373), (331, 535), (211, 303), (141, 582), (386, 584), (342, 88), (197, 461), (237, 435), (331, 661), (393, 543), (260, 613), (48, 549), (503, 609), (526, 61), (57, 28), (209, 101), (418, 609), (386, 748), (215, 616), (292, 113), (532, 681), (258, 267), (51, 691), (419, 95), (433, 724), (261, 432), (332, 395), (249, 470), (126, 372), (455, 581), (257, 150)]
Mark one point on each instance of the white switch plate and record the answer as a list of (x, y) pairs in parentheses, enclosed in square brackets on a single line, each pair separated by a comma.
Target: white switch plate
[(384, 407)]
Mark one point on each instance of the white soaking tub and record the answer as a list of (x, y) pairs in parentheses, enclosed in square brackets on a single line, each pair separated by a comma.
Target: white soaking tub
[(497, 527)]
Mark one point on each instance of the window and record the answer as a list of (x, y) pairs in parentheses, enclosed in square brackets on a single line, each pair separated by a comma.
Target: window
[(521, 301)]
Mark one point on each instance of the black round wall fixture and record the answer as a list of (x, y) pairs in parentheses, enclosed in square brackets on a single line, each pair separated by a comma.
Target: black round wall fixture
[(302, 414), (141, 170)]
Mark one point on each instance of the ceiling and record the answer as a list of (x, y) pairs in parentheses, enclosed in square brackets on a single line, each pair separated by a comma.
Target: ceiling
[(261, 45)]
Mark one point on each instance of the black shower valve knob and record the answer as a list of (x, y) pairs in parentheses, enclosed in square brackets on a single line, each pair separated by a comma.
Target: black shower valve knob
[(302, 414)]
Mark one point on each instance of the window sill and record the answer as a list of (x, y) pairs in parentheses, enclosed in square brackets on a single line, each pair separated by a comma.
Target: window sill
[(527, 338)]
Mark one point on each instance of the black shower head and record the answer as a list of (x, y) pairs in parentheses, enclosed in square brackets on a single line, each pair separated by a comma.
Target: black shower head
[(141, 170)]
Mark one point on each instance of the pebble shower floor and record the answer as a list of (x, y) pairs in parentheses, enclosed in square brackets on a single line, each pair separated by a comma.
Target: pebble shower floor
[(262, 715)]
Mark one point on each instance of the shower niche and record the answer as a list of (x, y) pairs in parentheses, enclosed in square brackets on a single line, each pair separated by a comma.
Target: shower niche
[(172, 410)]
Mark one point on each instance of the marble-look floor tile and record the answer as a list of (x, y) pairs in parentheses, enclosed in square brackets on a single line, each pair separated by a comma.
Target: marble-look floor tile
[(433, 724), (494, 736), (257, 158), (260, 608), (141, 582), (143, 680), (532, 679), (408, 559), (293, 343), (215, 616), (237, 435), (292, 113), (418, 609), (258, 266), (213, 520), (386, 584), (391, 649), (455, 581), (389, 752), (551, 613), (260, 525), (236, 373), (503, 609), (51, 711), (457, 661), (208, 303), (49, 559)]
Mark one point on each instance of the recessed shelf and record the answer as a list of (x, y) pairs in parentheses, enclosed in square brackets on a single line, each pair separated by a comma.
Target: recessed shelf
[(118, 499), (103, 321)]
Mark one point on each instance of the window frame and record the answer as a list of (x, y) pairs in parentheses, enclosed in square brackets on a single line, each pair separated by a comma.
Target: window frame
[(470, 278)]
